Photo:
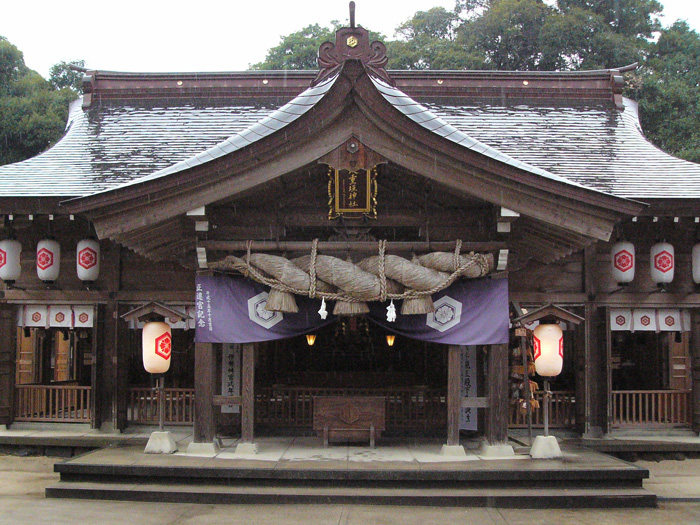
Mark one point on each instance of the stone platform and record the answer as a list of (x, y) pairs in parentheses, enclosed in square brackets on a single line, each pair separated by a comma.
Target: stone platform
[(300, 470)]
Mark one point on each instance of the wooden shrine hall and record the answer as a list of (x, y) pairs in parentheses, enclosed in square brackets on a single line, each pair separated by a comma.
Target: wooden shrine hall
[(347, 247)]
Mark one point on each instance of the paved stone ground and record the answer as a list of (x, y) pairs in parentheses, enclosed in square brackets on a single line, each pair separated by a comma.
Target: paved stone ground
[(22, 483)]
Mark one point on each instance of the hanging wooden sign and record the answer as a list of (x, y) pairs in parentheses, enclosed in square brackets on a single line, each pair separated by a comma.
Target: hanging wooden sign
[(352, 193)]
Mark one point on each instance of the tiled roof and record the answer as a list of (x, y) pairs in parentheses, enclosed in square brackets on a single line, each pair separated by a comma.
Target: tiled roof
[(112, 144), (597, 146), (431, 120)]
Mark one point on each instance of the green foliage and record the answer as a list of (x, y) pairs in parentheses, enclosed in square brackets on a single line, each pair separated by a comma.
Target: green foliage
[(11, 63), (62, 75), (298, 50), (668, 91), (632, 18), (33, 112), (507, 35)]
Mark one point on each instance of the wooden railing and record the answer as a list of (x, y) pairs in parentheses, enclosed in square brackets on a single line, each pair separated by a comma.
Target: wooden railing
[(143, 406), (651, 408), (562, 411), (53, 403), (407, 408)]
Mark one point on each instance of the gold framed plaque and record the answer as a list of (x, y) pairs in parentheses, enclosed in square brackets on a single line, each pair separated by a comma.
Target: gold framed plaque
[(352, 193)]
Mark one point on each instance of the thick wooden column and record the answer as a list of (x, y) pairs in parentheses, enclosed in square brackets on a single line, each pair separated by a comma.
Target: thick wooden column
[(248, 393), (454, 401), (695, 363), (596, 389), (497, 384), (204, 384), (8, 349)]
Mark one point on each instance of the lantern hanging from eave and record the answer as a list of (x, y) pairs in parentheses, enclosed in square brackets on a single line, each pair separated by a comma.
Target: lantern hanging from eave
[(662, 263), (696, 263), (48, 259), (548, 349), (156, 342), (87, 260), (10, 266), (623, 262)]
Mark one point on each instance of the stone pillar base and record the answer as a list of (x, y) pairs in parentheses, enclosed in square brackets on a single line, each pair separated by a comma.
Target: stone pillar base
[(160, 443), (208, 450), (496, 450), (545, 447), (456, 451), (246, 449)]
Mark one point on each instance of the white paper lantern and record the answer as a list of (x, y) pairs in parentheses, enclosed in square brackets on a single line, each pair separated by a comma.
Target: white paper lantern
[(623, 262), (662, 262), (548, 342), (48, 259), (87, 260), (10, 267), (696, 263), (156, 342)]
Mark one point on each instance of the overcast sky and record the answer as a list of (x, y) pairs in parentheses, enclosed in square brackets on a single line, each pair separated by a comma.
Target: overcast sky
[(204, 35)]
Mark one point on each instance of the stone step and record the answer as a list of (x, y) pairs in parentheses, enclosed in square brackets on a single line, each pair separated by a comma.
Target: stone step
[(497, 473), (506, 497)]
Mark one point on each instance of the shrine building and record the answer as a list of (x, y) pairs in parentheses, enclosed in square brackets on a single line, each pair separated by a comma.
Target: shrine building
[(353, 236)]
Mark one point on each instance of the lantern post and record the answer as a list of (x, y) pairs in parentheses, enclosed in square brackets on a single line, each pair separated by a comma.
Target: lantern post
[(157, 350), (548, 350)]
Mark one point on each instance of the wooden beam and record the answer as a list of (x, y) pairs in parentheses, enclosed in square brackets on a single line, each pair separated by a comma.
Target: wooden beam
[(497, 385), (364, 246), (204, 381), (454, 400), (248, 393), (245, 217)]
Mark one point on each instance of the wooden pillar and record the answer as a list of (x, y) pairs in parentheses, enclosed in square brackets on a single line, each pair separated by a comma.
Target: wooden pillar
[(695, 363), (121, 381), (8, 352), (454, 401), (204, 383), (248, 393), (106, 356), (497, 384), (596, 389)]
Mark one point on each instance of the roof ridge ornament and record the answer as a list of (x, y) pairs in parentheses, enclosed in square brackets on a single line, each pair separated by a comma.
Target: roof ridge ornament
[(352, 43)]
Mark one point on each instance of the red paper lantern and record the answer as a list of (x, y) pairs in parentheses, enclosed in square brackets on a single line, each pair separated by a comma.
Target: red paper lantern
[(548, 342), (157, 346)]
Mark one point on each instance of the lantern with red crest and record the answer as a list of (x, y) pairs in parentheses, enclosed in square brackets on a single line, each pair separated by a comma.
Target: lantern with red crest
[(696, 263), (87, 260), (662, 263), (10, 267), (48, 259), (156, 343), (623, 262), (548, 349), (157, 349)]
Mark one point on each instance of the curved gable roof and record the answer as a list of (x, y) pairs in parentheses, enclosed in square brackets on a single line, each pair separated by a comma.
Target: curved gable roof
[(319, 120)]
